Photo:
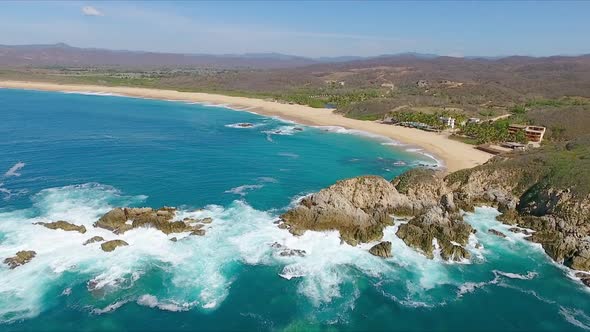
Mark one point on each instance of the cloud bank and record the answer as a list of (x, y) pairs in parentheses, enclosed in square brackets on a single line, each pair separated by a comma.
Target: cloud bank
[(91, 11)]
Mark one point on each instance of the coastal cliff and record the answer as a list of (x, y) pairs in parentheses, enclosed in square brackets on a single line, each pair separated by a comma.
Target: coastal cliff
[(546, 190)]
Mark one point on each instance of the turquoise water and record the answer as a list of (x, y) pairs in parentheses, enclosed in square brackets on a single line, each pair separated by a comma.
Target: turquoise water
[(81, 155)]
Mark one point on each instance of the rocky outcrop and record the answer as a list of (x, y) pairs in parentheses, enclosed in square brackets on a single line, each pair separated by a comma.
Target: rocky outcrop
[(93, 240), (421, 189), (120, 220), (358, 208), (435, 225), (112, 245), (21, 258), (382, 249), (531, 189), (63, 225)]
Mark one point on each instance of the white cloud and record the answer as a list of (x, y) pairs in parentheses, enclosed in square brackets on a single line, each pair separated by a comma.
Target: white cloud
[(13, 170), (91, 11)]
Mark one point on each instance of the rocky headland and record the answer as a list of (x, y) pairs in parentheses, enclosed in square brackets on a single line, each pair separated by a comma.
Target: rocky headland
[(532, 190)]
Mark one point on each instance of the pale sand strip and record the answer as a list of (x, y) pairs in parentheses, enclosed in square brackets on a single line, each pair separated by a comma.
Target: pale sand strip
[(455, 155)]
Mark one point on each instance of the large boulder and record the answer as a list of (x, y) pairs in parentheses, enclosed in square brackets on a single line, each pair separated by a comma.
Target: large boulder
[(63, 225), (382, 249), (112, 245), (359, 208), (21, 258)]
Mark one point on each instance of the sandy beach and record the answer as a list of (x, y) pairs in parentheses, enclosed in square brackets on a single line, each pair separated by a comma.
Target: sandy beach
[(455, 155)]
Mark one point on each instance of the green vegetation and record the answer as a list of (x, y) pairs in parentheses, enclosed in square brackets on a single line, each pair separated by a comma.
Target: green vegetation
[(518, 109), (492, 132), (557, 165)]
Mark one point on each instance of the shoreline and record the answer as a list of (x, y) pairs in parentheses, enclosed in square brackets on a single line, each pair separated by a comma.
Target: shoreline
[(454, 155)]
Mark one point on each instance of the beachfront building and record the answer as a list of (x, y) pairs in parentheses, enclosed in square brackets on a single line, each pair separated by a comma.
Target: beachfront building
[(448, 121), (533, 133)]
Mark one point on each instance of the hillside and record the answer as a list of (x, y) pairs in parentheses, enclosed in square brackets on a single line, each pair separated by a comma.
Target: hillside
[(553, 91)]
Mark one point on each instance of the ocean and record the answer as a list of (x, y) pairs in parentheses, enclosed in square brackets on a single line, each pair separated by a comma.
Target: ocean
[(74, 156)]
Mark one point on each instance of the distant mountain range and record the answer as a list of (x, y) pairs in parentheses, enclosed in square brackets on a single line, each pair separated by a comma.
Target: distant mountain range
[(61, 54)]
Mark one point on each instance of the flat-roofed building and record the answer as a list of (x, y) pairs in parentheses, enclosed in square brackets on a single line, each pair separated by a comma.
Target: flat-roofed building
[(533, 133)]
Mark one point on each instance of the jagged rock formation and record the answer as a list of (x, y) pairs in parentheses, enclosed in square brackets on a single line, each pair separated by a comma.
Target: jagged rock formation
[(63, 225), (538, 191), (112, 245), (120, 220), (449, 230), (360, 208), (93, 240), (21, 258), (533, 190), (382, 249)]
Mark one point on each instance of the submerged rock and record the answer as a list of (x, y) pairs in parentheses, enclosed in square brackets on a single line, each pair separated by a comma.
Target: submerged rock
[(63, 225), (112, 245), (287, 252), (293, 252), (382, 249), (120, 220), (93, 240), (21, 258), (207, 220), (497, 233)]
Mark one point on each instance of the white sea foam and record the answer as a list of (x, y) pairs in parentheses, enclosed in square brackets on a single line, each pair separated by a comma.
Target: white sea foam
[(241, 125), (13, 171), (92, 93), (384, 141), (267, 179), (152, 301), (244, 189), (284, 130), (530, 275), (199, 268), (111, 307), (288, 155), (575, 317)]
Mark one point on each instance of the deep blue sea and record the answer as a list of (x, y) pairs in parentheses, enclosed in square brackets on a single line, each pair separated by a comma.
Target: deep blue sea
[(73, 157)]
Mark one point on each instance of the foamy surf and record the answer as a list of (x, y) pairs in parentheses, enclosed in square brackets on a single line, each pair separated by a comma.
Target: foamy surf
[(199, 269), (198, 266)]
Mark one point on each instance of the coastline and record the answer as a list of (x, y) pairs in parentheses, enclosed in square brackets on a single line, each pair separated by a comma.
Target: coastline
[(454, 155)]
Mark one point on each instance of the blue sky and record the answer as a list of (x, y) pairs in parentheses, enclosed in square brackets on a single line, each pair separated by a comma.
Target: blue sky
[(308, 28)]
